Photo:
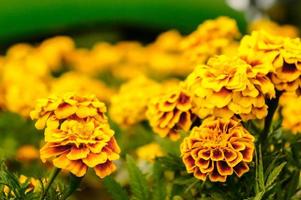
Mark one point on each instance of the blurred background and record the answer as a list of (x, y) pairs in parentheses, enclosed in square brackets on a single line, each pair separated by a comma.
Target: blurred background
[(92, 20)]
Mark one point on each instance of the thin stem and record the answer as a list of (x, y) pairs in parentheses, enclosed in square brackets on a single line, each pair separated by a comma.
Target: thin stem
[(52, 177), (272, 106)]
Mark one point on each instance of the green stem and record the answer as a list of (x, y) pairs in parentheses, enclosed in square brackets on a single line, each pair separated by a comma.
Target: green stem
[(52, 177), (272, 106), (74, 182)]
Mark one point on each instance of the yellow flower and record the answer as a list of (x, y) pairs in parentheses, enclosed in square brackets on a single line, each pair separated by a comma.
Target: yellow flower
[(279, 56), (81, 84), (149, 152), (216, 149), (77, 134), (32, 185), (291, 112), (211, 38), (55, 50), (129, 105), (27, 153), (228, 86), (170, 112), (274, 28)]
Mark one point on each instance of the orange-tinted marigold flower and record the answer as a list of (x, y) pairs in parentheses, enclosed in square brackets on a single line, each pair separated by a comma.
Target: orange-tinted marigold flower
[(216, 149), (170, 112), (77, 134)]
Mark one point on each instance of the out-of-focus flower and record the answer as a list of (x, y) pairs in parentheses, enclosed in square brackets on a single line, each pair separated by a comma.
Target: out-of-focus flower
[(228, 86), (33, 185), (54, 51), (274, 28), (27, 153), (170, 112), (77, 134), (291, 112), (216, 149), (149, 152), (282, 55), (129, 105), (213, 37), (81, 84)]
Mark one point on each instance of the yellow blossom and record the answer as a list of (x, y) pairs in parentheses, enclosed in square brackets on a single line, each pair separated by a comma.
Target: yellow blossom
[(211, 38), (226, 86), (280, 56), (77, 134), (274, 28), (291, 112), (149, 152), (170, 112), (81, 84), (32, 185), (129, 105), (216, 149)]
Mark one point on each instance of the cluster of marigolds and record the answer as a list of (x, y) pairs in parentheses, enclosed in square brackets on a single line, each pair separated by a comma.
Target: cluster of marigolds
[(201, 87)]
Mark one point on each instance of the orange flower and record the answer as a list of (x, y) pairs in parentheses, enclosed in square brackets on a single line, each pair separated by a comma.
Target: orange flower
[(77, 134), (216, 149), (170, 112), (27, 153)]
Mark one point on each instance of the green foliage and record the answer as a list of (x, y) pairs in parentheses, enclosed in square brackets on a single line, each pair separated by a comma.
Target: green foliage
[(138, 183), (115, 189)]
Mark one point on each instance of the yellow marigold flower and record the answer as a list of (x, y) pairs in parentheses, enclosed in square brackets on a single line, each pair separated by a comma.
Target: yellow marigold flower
[(54, 50), (170, 112), (77, 134), (27, 153), (81, 84), (19, 51), (291, 112), (149, 152), (129, 105), (278, 55), (211, 38), (274, 28), (33, 185), (216, 149), (226, 86)]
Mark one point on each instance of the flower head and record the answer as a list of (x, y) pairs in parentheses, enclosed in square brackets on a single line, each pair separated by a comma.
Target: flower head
[(216, 149), (129, 105), (170, 112), (32, 185), (77, 134), (226, 86), (149, 152), (279, 55), (291, 112)]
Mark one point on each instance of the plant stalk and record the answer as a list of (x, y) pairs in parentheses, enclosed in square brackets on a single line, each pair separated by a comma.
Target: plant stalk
[(52, 177)]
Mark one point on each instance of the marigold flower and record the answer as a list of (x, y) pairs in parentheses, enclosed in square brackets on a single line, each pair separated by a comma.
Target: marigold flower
[(216, 149), (228, 86), (282, 56), (81, 84), (274, 28), (77, 134), (170, 112), (27, 153), (129, 105), (33, 185), (291, 112), (149, 152), (212, 37)]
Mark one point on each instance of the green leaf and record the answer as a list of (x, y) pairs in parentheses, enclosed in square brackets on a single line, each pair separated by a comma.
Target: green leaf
[(138, 182), (274, 174), (159, 187), (259, 195), (115, 189), (293, 185), (259, 183)]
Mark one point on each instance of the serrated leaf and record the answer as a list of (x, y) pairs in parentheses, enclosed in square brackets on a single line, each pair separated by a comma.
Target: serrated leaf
[(259, 183), (138, 182), (159, 187), (274, 174), (115, 189)]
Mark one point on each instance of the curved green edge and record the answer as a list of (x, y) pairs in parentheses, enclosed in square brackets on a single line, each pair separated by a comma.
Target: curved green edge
[(23, 18)]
